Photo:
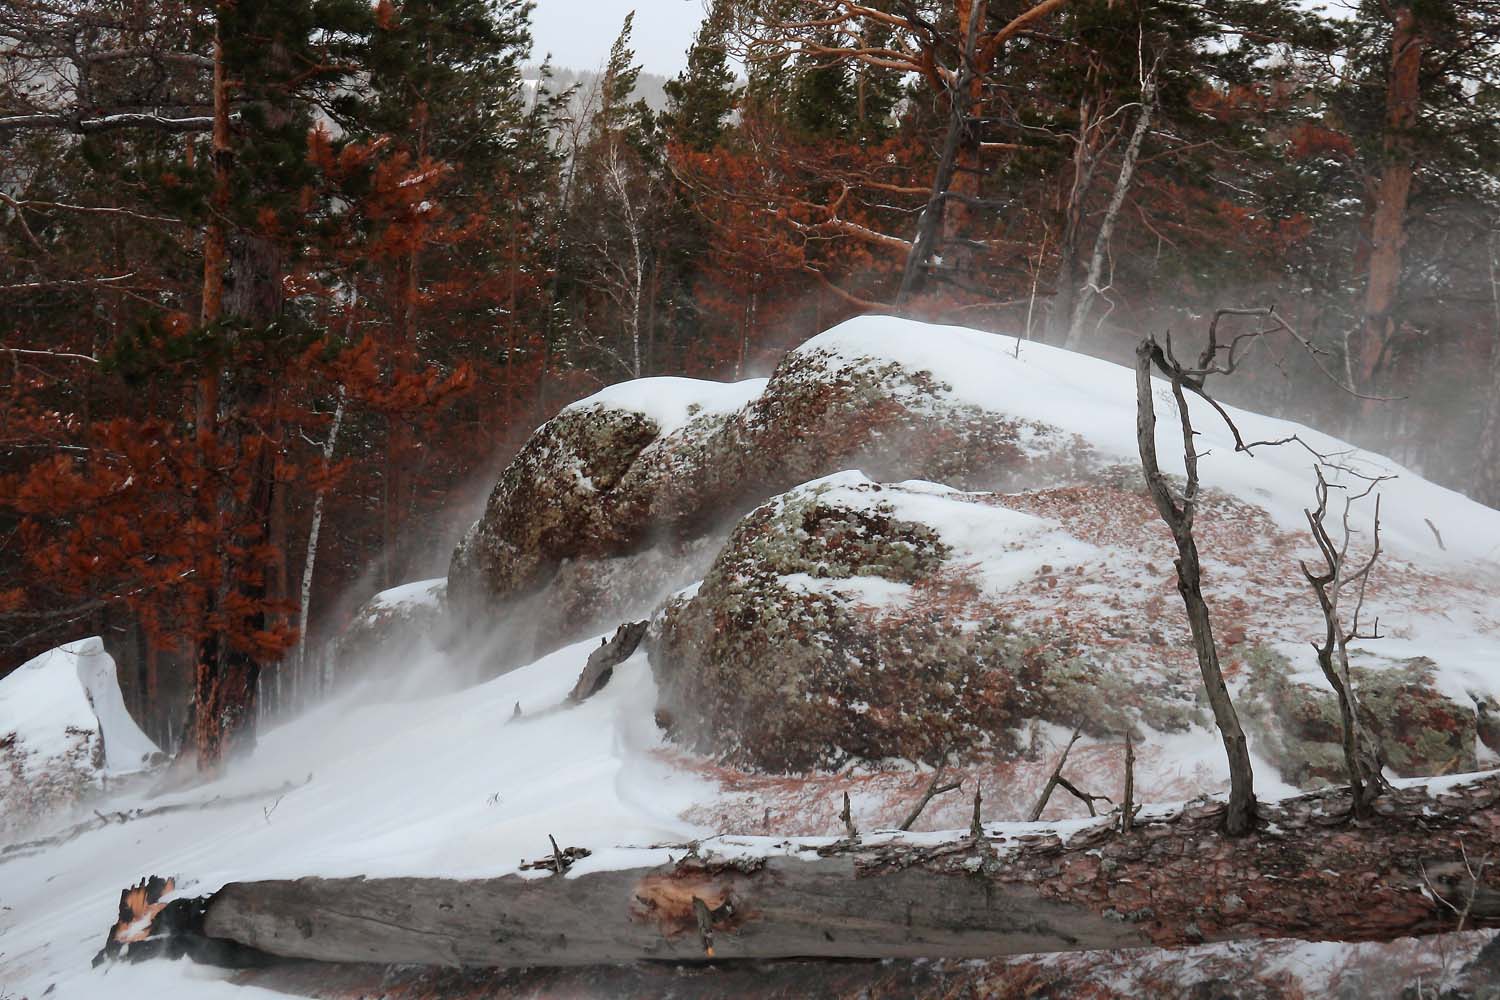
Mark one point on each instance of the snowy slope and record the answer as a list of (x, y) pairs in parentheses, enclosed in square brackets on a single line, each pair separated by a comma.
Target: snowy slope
[(1095, 399), (443, 786), (450, 785)]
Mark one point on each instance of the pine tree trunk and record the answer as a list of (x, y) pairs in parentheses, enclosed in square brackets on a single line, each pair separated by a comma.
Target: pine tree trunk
[(1390, 197), (957, 168)]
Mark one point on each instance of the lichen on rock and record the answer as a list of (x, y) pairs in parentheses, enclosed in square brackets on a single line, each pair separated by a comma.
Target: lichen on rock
[(1295, 717), (835, 625)]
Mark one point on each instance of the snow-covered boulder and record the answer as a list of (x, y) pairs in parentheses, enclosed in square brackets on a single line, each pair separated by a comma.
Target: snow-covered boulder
[(667, 461), (389, 628), (565, 499), (63, 729), (849, 619), (633, 494)]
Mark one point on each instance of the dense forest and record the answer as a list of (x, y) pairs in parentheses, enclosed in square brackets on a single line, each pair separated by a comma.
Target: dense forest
[(283, 284)]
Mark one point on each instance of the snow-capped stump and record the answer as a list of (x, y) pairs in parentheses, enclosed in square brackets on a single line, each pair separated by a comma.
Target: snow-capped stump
[(852, 619), (1421, 730), (389, 627), (63, 729)]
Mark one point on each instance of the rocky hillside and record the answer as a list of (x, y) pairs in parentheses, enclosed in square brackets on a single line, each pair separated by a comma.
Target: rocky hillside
[(911, 547), (933, 545)]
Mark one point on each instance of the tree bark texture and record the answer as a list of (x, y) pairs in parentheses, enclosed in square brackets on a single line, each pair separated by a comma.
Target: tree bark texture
[(1391, 193)]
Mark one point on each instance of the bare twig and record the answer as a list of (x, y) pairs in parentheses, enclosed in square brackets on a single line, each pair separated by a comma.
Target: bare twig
[(1127, 808), (933, 790)]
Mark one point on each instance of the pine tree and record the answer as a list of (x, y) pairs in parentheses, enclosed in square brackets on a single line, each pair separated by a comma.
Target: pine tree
[(703, 96)]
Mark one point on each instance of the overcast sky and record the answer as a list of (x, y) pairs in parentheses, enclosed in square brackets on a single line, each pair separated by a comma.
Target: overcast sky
[(578, 33)]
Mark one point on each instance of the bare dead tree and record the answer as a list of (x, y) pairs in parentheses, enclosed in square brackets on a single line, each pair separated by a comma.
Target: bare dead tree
[(1092, 286), (1128, 806), (1330, 583), (1179, 511)]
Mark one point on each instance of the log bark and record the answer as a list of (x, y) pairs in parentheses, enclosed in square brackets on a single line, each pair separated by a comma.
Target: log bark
[(1308, 870)]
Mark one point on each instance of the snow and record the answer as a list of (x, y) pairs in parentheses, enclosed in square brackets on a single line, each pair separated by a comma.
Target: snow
[(421, 593), (448, 784), (672, 402), (442, 786), (50, 700), (1005, 547), (126, 748), (1095, 399), (42, 700)]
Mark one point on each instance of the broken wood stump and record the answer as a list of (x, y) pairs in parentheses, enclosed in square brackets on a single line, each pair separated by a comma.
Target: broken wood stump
[(602, 661)]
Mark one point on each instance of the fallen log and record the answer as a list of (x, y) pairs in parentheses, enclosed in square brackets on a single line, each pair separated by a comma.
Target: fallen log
[(1307, 870)]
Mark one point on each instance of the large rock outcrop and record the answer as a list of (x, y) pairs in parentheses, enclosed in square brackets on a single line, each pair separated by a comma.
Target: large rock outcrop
[(849, 619), (829, 625), (1420, 730), (665, 463)]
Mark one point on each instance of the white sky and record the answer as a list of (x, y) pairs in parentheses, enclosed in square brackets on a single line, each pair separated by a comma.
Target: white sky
[(578, 33)]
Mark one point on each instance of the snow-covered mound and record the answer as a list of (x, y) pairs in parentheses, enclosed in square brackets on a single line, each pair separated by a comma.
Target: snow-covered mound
[(578, 521), (63, 728), (388, 629)]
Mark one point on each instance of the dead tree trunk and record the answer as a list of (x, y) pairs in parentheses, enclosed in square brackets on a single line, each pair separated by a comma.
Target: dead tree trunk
[(1179, 519), (1173, 879)]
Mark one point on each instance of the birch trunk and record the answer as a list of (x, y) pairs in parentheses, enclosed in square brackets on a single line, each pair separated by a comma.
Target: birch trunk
[(1084, 302)]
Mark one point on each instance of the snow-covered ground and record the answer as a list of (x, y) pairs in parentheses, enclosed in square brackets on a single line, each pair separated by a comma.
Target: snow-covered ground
[(451, 784), (446, 786)]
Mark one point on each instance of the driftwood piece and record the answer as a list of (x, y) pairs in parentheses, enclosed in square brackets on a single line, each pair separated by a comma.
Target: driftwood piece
[(1305, 870), (602, 661)]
